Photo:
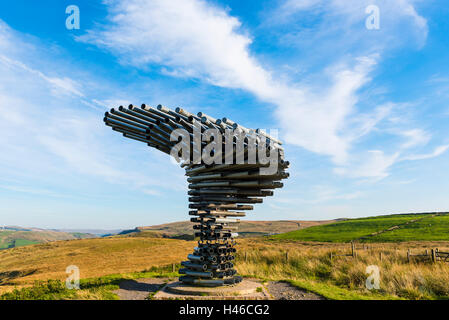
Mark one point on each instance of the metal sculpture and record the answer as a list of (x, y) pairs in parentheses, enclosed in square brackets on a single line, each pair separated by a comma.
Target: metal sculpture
[(226, 177)]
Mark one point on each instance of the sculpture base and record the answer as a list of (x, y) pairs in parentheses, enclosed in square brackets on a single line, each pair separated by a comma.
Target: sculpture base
[(245, 290), (196, 282)]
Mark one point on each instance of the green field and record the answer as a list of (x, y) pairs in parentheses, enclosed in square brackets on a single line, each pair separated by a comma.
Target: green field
[(427, 227), (23, 242), (12, 243)]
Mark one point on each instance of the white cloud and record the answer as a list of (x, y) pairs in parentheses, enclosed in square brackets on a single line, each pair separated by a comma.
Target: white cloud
[(190, 37), (364, 124), (373, 166), (415, 137), (63, 85), (347, 15), (193, 38), (437, 152), (42, 192), (316, 119), (315, 194), (196, 39), (377, 165), (323, 193)]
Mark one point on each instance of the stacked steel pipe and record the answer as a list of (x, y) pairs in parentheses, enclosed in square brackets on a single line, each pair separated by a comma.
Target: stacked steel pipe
[(219, 193)]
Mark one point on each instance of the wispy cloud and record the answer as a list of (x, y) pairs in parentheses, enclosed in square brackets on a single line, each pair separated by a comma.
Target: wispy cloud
[(437, 152), (400, 24), (36, 191), (374, 165), (317, 194), (415, 137), (196, 39), (59, 85)]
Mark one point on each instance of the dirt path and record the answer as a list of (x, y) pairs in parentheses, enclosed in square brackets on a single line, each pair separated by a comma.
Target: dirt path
[(141, 289)]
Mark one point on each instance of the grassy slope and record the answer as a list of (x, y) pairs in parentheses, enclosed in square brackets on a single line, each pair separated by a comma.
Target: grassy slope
[(309, 266), (104, 261), (94, 257), (428, 229), (353, 229), (5, 242)]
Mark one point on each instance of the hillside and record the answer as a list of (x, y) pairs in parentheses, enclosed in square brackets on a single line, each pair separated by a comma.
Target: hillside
[(11, 237), (104, 262), (94, 257), (397, 227), (184, 230)]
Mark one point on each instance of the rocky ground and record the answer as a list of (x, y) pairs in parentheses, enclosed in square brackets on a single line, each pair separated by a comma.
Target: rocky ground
[(285, 291)]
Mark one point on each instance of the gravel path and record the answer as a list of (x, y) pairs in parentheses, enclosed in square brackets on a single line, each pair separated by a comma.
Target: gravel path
[(285, 291), (139, 289)]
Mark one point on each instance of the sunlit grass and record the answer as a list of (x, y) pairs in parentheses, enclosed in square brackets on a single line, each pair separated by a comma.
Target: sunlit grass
[(105, 262)]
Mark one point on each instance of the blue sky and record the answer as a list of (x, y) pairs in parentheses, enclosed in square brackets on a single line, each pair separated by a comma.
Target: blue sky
[(363, 113)]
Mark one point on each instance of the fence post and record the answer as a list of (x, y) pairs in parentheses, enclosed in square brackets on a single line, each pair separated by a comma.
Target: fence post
[(380, 256), (432, 252), (332, 256), (286, 256), (173, 267), (408, 255), (352, 249), (246, 257)]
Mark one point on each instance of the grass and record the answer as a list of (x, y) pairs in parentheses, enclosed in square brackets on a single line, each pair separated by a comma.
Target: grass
[(12, 243), (103, 263), (94, 257), (310, 267), (362, 228), (23, 242), (429, 229), (90, 289)]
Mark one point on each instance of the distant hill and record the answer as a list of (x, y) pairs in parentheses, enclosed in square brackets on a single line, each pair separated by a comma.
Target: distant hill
[(398, 227), (97, 232), (11, 237), (184, 230)]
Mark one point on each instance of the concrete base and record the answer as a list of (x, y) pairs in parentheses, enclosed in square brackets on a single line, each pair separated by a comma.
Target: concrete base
[(245, 290)]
